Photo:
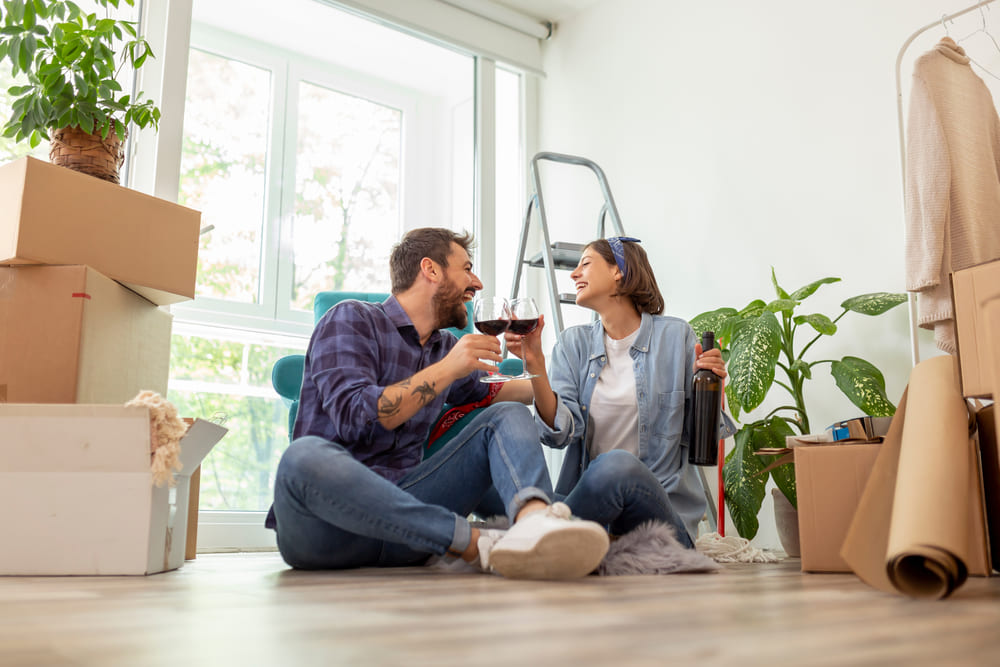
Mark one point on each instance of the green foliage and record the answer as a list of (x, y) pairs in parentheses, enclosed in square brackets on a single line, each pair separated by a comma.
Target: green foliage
[(757, 342), (68, 58), (230, 381)]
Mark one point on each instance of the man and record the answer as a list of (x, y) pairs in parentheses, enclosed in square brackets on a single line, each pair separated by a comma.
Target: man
[(352, 489)]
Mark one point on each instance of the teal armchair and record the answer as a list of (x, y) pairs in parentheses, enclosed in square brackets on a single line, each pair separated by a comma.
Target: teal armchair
[(286, 375)]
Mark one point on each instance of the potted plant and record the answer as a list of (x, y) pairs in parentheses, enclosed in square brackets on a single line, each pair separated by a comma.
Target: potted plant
[(756, 342), (70, 61)]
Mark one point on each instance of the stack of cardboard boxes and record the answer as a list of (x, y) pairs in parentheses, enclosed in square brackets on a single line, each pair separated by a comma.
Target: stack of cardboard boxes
[(84, 267)]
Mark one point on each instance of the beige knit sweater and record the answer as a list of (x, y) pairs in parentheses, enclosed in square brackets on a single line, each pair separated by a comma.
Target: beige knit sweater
[(952, 182)]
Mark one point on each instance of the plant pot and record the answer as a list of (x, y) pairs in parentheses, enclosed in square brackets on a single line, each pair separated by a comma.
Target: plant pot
[(86, 152), (786, 519)]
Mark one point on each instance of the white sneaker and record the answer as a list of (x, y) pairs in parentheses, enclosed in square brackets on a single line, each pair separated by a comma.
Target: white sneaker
[(550, 544), (454, 564)]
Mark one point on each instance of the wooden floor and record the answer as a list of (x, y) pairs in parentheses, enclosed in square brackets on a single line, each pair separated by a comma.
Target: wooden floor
[(250, 609)]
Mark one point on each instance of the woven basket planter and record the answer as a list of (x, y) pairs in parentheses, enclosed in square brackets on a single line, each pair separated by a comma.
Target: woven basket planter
[(86, 152)]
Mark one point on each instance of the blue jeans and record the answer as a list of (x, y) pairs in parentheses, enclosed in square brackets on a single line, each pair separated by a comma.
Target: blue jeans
[(333, 512), (618, 491)]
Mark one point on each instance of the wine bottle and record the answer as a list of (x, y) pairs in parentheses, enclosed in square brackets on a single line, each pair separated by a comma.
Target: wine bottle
[(707, 403)]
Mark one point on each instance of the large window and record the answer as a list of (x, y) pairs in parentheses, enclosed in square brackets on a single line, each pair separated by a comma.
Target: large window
[(311, 142)]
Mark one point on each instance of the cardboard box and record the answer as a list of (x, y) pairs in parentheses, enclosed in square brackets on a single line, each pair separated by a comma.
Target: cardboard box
[(78, 483), (53, 215), (70, 335), (971, 288), (829, 481)]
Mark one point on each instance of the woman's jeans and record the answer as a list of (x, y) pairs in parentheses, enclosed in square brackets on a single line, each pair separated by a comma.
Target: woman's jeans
[(618, 491), (334, 512)]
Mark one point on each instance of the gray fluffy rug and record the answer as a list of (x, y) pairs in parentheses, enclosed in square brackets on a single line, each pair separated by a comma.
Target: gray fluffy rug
[(651, 548)]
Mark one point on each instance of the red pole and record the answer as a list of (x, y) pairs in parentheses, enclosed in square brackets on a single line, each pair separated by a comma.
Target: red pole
[(722, 489)]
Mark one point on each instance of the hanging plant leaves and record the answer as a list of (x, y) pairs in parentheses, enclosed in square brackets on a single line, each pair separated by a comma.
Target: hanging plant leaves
[(875, 303), (773, 434), (755, 351), (744, 484), (864, 385)]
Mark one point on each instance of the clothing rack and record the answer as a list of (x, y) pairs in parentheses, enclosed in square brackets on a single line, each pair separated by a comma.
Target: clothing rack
[(914, 345)]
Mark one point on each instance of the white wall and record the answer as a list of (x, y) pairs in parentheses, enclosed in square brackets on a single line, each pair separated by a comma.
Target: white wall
[(739, 135)]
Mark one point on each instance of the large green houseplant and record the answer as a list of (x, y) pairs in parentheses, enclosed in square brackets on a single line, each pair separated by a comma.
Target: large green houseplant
[(69, 61), (756, 342)]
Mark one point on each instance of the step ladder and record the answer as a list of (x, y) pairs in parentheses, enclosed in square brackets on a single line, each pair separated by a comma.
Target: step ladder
[(565, 256), (559, 255)]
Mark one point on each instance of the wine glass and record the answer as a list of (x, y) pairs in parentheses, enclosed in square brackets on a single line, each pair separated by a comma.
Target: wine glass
[(492, 317), (523, 320)]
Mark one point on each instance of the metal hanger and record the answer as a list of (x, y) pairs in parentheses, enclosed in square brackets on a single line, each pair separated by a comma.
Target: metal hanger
[(984, 29)]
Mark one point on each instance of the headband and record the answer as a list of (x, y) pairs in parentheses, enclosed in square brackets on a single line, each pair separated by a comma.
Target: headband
[(619, 251)]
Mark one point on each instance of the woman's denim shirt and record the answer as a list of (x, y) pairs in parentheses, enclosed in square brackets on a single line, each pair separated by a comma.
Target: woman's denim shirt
[(663, 360)]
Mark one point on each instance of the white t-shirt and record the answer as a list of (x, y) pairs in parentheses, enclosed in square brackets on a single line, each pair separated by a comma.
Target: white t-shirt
[(613, 405)]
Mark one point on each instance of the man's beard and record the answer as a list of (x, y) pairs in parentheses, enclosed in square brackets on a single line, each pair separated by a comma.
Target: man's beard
[(449, 306)]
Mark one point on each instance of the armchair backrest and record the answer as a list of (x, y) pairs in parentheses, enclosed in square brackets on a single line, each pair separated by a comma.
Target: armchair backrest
[(326, 300)]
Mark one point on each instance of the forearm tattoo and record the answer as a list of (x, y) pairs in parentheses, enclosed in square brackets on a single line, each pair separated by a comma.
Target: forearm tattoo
[(388, 406), (425, 393)]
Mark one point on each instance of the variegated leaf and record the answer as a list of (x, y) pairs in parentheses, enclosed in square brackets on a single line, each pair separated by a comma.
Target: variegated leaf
[(773, 435), (821, 323), (753, 309), (864, 385), (754, 356), (782, 306), (803, 292), (712, 321), (778, 290), (744, 484), (733, 401), (875, 303), (727, 330), (802, 367)]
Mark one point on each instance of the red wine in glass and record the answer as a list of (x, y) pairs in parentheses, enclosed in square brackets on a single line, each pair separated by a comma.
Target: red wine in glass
[(523, 327), (492, 317), (524, 319), (494, 327)]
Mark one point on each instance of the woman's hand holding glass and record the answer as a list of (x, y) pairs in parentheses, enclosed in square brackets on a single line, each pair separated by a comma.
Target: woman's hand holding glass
[(523, 337)]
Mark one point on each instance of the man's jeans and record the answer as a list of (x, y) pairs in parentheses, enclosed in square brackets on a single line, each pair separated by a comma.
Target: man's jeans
[(618, 491), (334, 512)]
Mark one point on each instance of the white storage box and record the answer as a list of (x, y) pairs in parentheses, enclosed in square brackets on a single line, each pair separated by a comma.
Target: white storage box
[(78, 489)]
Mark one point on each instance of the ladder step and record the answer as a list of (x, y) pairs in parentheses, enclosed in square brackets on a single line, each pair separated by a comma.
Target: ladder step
[(564, 256), (567, 297)]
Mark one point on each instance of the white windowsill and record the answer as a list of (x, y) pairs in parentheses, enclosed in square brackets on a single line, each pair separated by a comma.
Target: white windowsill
[(226, 532)]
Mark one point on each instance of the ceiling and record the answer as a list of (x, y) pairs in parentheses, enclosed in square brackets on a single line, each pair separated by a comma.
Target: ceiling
[(548, 10)]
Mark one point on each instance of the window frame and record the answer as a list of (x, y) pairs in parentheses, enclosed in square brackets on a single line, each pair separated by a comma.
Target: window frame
[(274, 313), (156, 164)]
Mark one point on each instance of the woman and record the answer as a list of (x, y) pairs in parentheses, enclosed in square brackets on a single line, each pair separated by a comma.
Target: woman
[(617, 396)]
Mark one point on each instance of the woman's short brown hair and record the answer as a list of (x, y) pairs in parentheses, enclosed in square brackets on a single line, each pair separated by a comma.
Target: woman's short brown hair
[(432, 242), (638, 283)]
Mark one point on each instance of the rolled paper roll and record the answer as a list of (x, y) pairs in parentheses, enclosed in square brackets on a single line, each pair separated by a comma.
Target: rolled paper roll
[(920, 526)]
